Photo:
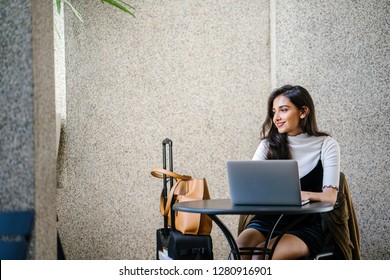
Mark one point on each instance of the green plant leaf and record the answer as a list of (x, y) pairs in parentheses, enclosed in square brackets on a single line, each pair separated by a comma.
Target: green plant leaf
[(120, 5), (125, 4), (116, 3), (58, 4), (78, 15)]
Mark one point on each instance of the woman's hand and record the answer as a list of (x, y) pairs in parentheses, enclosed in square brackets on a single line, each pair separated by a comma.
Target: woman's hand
[(327, 195), (305, 195)]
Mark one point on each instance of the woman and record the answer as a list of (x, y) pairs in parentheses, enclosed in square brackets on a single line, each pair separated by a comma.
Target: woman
[(290, 132)]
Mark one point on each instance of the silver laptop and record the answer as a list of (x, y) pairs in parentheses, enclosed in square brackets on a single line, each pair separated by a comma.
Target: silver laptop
[(264, 182)]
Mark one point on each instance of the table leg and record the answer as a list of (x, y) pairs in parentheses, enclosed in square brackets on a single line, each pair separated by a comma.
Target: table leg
[(268, 239), (271, 252), (231, 240), (233, 245)]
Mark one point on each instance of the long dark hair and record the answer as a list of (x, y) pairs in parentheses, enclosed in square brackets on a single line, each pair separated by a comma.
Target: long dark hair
[(278, 142)]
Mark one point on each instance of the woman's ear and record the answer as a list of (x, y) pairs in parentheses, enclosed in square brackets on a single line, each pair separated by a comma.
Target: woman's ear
[(304, 112)]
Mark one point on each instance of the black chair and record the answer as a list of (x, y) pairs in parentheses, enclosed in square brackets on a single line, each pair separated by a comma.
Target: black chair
[(342, 234), (328, 250), (15, 234)]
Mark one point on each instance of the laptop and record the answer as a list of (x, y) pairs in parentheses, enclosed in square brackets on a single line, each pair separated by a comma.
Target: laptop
[(264, 182)]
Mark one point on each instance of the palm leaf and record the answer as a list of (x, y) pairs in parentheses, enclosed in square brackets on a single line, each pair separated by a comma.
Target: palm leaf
[(120, 5), (58, 4), (78, 15), (116, 3)]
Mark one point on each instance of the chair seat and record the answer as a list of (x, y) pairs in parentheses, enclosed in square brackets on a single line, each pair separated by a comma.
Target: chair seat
[(15, 233), (13, 250)]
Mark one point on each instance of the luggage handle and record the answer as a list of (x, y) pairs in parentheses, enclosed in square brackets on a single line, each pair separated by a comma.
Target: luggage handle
[(166, 142)]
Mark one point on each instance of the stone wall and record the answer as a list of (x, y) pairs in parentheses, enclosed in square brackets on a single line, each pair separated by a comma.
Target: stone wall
[(194, 71), (339, 51), (27, 118)]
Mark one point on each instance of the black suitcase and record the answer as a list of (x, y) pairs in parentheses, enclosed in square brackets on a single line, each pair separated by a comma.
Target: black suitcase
[(172, 244), (190, 247), (178, 246)]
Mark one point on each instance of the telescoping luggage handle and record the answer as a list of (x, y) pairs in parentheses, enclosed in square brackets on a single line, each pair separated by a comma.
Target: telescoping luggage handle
[(166, 142), (167, 174)]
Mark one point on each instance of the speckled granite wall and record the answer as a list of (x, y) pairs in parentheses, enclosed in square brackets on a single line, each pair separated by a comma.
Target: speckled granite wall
[(16, 103), (193, 71), (27, 127), (339, 50)]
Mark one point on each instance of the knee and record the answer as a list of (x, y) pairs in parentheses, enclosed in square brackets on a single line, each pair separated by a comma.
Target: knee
[(249, 238), (242, 241)]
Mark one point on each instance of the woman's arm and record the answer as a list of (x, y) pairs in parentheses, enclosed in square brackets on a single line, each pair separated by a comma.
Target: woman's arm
[(330, 156), (328, 194), (261, 151)]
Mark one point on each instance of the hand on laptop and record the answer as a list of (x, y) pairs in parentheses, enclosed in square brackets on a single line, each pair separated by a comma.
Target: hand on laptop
[(305, 195)]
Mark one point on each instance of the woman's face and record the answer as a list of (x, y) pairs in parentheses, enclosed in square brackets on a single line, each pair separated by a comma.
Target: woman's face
[(287, 116)]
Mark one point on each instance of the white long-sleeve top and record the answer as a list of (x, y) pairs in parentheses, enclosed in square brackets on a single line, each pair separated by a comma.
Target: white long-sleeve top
[(308, 150)]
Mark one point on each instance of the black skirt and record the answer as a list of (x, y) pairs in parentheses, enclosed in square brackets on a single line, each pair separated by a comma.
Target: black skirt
[(309, 230)]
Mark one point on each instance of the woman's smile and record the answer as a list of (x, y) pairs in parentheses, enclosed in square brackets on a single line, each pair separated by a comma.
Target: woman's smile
[(287, 116)]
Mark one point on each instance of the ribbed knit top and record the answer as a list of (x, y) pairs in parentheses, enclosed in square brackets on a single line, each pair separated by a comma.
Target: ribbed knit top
[(308, 150)]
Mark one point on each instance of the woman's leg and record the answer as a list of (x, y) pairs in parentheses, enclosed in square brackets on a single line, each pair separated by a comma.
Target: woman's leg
[(290, 247), (249, 237)]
